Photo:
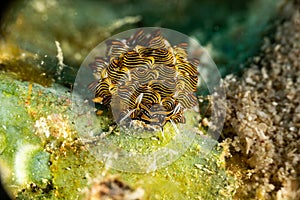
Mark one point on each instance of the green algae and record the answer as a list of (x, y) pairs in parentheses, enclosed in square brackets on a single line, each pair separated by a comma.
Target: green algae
[(19, 150), (143, 141), (195, 175), (40, 163), (60, 166), (22, 154)]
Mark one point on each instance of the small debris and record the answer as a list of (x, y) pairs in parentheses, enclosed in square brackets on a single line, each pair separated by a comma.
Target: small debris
[(60, 58), (114, 189)]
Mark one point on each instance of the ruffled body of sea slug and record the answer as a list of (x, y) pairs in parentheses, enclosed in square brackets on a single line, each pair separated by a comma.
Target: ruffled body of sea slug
[(145, 78)]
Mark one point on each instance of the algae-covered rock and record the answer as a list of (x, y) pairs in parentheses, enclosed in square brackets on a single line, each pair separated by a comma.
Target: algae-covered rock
[(37, 28), (42, 156), (232, 30), (22, 157)]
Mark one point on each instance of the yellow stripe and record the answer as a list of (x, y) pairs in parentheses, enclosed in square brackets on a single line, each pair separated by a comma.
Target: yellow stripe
[(186, 69), (187, 100)]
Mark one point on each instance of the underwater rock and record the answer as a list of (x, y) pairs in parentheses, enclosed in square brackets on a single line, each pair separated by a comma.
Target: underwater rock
[(42, 156), (36, 28), (232, 30), (22, 158)]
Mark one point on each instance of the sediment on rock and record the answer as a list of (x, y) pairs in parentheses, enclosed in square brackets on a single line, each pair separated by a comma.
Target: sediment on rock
[(263, 119)]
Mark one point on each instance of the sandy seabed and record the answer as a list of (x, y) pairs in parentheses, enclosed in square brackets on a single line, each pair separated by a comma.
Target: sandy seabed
[(263, 118)]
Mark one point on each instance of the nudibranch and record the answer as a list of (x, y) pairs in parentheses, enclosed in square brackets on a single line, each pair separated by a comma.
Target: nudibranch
[(146, 78)]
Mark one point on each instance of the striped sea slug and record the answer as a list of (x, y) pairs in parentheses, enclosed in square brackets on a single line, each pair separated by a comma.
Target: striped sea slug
[(145, 78)]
